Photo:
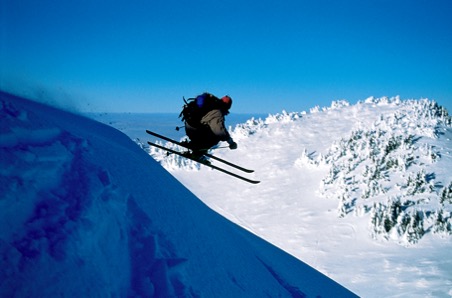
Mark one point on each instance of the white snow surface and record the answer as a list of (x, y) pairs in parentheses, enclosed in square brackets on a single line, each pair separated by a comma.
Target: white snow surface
[(85, 212), (362, 193)]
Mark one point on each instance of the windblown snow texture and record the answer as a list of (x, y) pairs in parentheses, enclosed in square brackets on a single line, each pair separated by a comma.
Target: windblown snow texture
[(84, 212)]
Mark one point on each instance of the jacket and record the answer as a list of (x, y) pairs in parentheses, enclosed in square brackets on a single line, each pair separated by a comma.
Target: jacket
[(215, 120)]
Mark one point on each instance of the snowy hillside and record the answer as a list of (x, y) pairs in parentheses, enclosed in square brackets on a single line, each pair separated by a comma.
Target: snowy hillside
[(361, 192), (84, 212), (389, 170)]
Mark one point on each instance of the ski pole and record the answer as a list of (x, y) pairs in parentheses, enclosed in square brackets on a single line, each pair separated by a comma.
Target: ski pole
[(222, 147)]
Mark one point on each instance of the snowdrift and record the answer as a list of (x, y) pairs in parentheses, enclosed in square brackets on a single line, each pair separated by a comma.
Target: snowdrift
[(84, 212)]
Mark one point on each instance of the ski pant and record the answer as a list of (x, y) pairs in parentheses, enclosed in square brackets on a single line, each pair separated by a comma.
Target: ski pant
[(201, 137)]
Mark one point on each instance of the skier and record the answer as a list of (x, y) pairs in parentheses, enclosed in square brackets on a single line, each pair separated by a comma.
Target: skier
[(204, 123)]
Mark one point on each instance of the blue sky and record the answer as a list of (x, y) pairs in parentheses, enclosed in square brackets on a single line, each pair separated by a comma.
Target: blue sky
[(143, 56)]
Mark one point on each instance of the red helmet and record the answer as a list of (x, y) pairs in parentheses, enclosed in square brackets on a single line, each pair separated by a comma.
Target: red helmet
[(227, 100)]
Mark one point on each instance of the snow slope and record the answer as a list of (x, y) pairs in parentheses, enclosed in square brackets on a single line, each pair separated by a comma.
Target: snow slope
[(363, 192), (84, 212)]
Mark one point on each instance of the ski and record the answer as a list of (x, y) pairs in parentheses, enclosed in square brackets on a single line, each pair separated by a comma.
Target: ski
[(207, 154), (205, 164)]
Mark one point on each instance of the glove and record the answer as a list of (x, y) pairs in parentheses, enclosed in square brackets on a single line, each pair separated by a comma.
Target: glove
[(232, 144)]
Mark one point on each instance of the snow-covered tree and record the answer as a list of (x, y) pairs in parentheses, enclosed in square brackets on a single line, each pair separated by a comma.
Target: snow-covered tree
[(411, 226), (446, 195), (442, 223), (417, 184)]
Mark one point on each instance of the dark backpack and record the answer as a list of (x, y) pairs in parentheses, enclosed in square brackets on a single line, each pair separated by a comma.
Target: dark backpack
[(196, 108)]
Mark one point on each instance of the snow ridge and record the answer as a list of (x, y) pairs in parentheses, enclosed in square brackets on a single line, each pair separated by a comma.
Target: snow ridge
[(86, 213), (60, 227)]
